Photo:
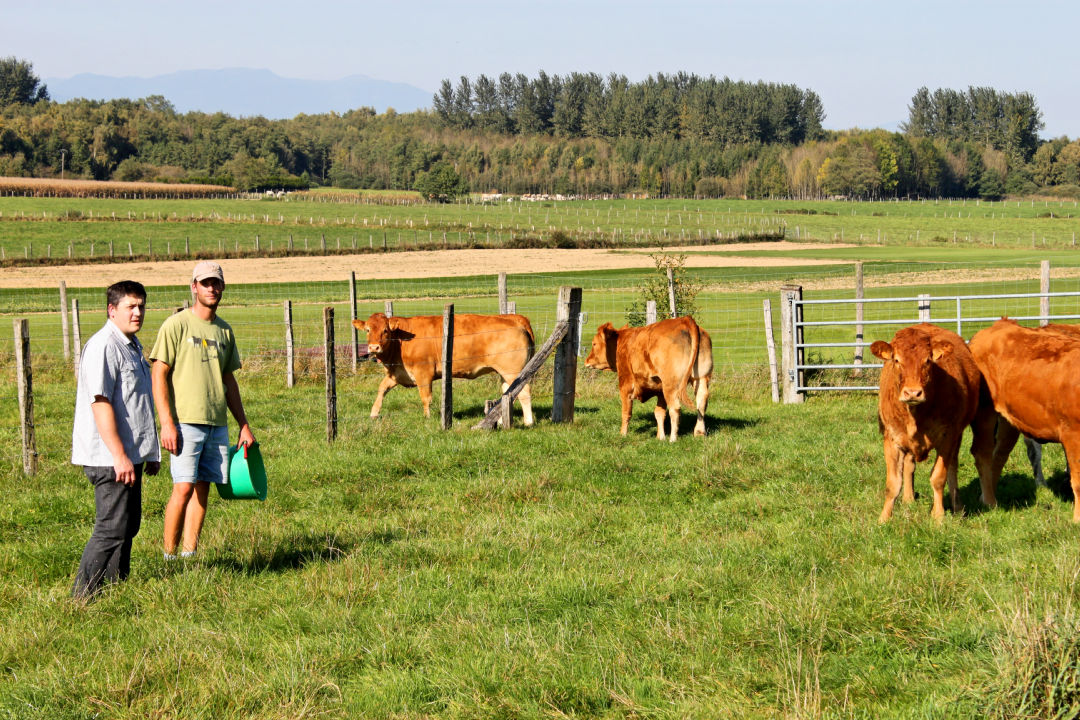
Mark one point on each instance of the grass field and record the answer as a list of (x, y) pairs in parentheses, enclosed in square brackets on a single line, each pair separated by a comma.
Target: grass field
[(559, 571), (41, 227)]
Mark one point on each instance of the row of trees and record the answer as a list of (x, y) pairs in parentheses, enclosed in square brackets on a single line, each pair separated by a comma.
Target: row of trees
[(679, 106), (1009, 122), (432, 152)]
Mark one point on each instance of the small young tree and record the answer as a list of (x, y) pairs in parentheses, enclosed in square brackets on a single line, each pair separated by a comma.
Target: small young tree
[(441, 183), (655, 287)]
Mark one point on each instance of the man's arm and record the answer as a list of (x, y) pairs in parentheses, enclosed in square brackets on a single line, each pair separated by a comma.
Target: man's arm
[(105, 419), (236, 407), (159, 376)]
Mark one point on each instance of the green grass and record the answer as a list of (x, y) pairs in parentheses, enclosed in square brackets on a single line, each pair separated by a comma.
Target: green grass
[(559, 571), (407, 572), (41, 227)]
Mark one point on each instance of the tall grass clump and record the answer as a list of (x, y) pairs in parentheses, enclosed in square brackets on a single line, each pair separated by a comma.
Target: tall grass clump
[(1039, 663)]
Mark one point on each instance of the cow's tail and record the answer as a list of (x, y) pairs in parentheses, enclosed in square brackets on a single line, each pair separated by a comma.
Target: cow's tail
[(695, 342), (532, 338)]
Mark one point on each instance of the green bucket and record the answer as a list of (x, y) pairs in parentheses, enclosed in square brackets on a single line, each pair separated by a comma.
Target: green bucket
[(247, 475)]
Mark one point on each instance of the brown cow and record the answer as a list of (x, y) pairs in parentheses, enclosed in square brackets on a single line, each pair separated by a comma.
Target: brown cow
[(1031, 376), (1034, 447), (929, 393), (657, 360), (410, 350)]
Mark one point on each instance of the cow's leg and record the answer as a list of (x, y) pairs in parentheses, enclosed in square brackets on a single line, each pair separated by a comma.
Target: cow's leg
[(701, 402), (894, 464), (627, 407), (525, 398), (909, 478), (984, 430), (671, 405), (938, 477), (387, 383), (1072, 457), (1004, 442), (1035, 453), (660, 412), (425, 396)]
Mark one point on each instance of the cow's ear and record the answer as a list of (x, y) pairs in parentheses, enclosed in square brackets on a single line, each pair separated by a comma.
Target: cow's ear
[(882, 349), (394, 323), (940, 351), (359, 325)]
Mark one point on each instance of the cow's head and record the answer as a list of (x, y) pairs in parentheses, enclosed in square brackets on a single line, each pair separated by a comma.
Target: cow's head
[(379, 329), (909, 363), (602, 355)]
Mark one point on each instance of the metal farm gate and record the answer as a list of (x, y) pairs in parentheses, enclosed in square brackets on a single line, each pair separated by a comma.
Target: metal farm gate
[(809, 328)]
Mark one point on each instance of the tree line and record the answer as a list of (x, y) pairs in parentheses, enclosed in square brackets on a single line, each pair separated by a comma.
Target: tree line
[(678, 106), (676, 135)]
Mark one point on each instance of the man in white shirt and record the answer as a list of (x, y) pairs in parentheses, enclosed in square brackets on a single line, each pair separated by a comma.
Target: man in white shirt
[(114, 436)]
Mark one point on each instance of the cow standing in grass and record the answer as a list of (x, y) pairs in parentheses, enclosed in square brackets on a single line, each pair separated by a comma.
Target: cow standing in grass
[(930, 388), (410, 350), (1031, 375), (1034, 447), (657, 360)]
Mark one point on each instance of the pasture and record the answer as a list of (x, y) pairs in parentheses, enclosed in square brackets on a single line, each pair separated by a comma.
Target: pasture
[(558, 571), (39, 228)]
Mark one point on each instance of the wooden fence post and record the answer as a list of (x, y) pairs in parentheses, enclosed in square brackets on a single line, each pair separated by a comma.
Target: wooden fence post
[(76, 335), (565, 380), (26, 394), (447, 403), (790, 356), (502, 293), (770, 344), (290, 356), (64, 321), (671, 292), (924, 308), (858, 314), (650, 312), (355, 334), (331, 373), (511, 307), (388, 308), (1044, 288)]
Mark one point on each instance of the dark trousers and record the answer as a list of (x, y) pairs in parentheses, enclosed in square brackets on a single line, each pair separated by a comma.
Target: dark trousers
[(107, 556)]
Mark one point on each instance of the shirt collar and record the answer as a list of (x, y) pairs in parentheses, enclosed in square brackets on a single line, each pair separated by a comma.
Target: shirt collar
[(122, 336)]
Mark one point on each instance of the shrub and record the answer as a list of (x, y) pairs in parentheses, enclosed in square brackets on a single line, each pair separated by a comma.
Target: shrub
[(655, 288)]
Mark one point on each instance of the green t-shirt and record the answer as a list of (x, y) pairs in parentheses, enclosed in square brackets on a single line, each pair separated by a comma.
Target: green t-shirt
[(199, 354)]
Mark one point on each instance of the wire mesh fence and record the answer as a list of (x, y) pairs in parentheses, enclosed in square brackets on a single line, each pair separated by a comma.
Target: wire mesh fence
[(729, 306)]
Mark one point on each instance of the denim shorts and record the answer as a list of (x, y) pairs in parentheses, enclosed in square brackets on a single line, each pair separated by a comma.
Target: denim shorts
[(203, 456)]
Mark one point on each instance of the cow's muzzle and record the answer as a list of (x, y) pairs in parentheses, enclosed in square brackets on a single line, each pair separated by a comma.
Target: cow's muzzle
[(912, 396)]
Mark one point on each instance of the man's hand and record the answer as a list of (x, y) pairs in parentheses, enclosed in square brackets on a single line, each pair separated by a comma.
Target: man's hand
[(170, 438), (125, 470), (246, 436)]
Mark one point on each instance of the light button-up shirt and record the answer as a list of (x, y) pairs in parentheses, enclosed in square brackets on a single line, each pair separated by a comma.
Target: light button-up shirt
[(112, 366)]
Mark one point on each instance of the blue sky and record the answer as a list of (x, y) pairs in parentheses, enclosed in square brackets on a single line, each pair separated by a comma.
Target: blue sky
[(865, 59)]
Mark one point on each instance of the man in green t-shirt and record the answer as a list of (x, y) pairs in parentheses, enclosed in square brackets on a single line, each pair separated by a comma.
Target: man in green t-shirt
[(194, 360)]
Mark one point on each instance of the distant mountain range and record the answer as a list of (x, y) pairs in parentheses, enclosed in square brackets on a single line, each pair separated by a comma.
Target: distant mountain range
[(244, 92)]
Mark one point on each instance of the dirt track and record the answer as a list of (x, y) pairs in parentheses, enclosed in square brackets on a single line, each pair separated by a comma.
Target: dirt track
[(411, 264)]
